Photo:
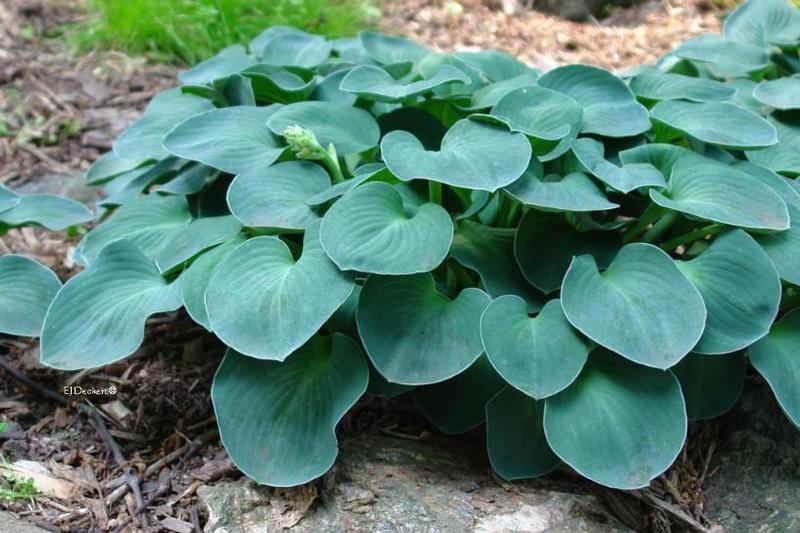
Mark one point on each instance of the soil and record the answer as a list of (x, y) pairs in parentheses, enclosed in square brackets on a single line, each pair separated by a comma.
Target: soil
[(60, 110)]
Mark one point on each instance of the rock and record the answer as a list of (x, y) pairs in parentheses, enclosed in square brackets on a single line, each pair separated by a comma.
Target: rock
[(11, 524), (384, 484), (757, 486)]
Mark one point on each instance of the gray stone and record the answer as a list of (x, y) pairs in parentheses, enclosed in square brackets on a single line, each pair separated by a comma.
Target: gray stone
[(757, 484), (382, 484), (11, 524)]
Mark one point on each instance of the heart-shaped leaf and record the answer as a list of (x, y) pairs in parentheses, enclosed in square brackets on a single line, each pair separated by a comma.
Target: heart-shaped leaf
[(26, 290), (52, 212), (413, 334), (740, 288), (265, 312), (763, 23), (142, 139), (667, 86), (98, 316), (660, 155), (783, 248), (199, 235), (724, 57), (641, 307), (230, 60), (718, 123), (278, 420), (785, 157), (195, 279), (233, 139), (489, 95), (280, 85), (363, 173), (540, 356), (8, 198), (625, 178), (459, 404), (574, 192), (149, 222), (711, 384), (544, 246), (350, 129), (389, 49), (490, 252), (106, 168), (278, 196), (495, 65), (515, 436), (714, 191), (783, 93), (374, 83), (370, 230), (474, 155), (552, 119), (784, 187), (619, 424), (294, 49), (609, 107), (775, 358)]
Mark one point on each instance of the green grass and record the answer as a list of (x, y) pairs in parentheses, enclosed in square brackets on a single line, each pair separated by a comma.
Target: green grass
[(187, 31), (13, 488)]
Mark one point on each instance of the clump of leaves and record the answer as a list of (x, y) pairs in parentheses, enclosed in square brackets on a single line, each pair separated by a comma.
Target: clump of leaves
[(583, 261), (14, 488)]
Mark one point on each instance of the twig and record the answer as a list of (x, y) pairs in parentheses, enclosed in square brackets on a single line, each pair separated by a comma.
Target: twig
[(46, 159), (28, 382), (196, 445), (649, 498), (130, 478)]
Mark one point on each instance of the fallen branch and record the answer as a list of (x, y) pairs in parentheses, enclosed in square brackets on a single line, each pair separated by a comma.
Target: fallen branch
[(31, 384)]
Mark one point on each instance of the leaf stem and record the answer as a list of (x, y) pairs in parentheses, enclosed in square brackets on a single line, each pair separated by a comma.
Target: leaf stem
[(659, 228), (331, 160), (648, 216), (461, 274), (692, 236), (435, 192)]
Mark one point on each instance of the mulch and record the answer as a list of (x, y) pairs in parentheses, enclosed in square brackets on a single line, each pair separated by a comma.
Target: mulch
[(132, 459)]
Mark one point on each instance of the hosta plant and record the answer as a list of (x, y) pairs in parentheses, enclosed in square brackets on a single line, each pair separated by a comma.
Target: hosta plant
[(583, 260)]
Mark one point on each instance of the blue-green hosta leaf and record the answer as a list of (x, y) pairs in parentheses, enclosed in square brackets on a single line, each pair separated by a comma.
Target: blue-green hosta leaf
[(238, 91), (374, 83), (278, 196), (108, 167), (625, 178), (609, 107), (489, 95), (260, 41), (641, 306), (711, 384), (764, 23), (573, 192), (783, 187), (370, 230), (784, 157), (660, 155), (258, 299), (189, 180), (280, 85), (201, 234), (26, 290), (490, 252), (142, 139), (8, 198), (783, 248), (233, 139), (149, 222), (416, 121), (413, 334), (714, 191), (783, 93), (328, 89), (495, 65), (350, 129), (540, 356), (194, 279), (98, 316), (52, 212), (515, 436), (362, 174), (677, 87), (724, 57), (544, 246), (230, 60), (474, 155), (776, 358), (278, 420), (718, 123), (131, 184), (552, 119), (619, 424), (459, 404), (294, 49), (388, 49), (740, 288)]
